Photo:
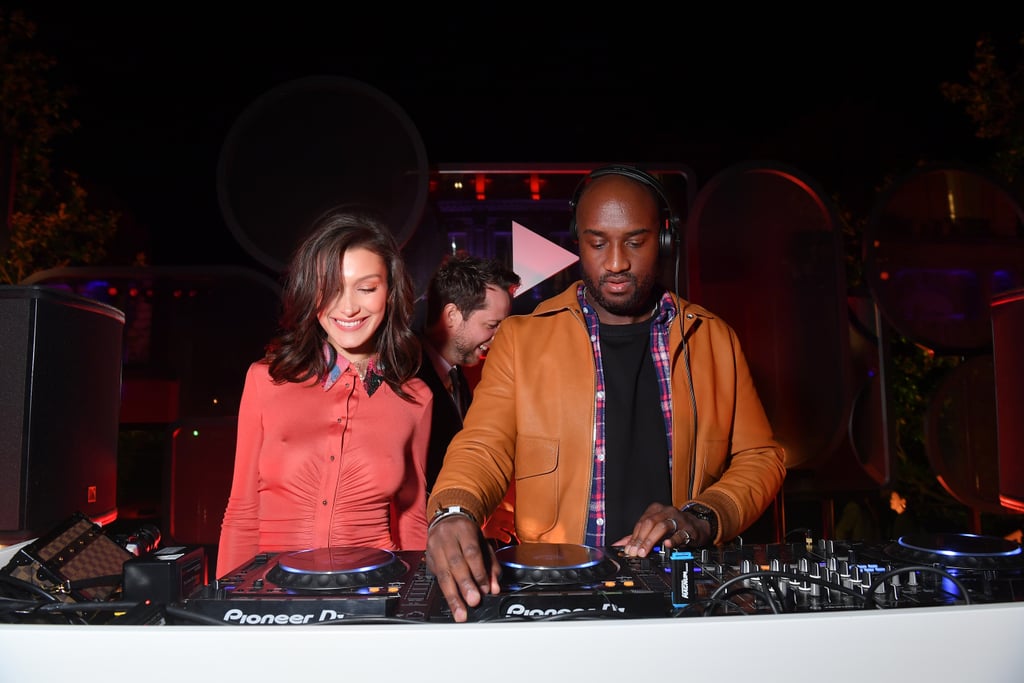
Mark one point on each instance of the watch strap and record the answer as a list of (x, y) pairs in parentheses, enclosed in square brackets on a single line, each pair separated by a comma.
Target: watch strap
[(701, 511)]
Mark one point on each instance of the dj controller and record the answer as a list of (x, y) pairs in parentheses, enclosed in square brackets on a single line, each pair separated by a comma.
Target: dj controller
[(563, 581)]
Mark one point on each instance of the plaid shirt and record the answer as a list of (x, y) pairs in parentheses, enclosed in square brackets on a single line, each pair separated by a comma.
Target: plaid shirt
[(660, 323)]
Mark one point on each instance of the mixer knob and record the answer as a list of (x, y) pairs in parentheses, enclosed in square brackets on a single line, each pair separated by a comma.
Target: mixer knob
[(834, 580)]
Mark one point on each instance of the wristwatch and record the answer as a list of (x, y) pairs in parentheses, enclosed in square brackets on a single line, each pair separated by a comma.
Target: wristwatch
[(707, 514), (450, 511)]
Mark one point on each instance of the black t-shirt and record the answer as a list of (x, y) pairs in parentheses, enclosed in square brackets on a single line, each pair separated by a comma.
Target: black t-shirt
[(636, 452)]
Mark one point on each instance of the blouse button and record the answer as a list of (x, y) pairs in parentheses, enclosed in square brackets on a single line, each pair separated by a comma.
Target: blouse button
[(332, 458), (324, 502)]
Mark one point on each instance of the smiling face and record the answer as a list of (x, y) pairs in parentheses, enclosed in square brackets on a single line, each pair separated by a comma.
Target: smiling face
[(618, 223), (353, 316), (472, 335)]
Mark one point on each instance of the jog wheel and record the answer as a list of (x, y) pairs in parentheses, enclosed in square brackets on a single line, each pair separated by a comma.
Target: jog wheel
[(336, 569), (555, 564)]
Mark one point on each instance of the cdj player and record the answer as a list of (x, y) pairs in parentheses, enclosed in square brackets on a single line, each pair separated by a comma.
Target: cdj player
[(564, 581), (315, 586)]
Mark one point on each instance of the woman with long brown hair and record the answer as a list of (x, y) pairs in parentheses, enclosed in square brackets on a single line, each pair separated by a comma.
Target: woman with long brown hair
[(333, 425)]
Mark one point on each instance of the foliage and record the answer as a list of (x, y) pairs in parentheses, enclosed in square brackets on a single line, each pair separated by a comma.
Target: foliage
[(914, 375), (994, 100), (49, 223)]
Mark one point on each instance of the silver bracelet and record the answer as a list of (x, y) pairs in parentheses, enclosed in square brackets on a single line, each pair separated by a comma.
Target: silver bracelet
[(447, 512)]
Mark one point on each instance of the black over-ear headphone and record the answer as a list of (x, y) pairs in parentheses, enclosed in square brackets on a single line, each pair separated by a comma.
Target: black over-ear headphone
[(668, 235)]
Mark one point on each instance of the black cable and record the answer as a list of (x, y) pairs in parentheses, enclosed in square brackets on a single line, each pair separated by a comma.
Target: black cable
[(10, 607), (27, 587), (112, 606), (192, 617), (821, 581), (870, 598), (111, 580), (772, 604), (707, 606)]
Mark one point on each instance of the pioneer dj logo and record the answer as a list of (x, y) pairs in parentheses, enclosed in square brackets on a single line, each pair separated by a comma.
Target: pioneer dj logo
[(237, 616), (517, 609)]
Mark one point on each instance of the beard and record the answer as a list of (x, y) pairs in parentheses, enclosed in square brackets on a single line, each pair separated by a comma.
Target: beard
[(636, 304), (468, 354)]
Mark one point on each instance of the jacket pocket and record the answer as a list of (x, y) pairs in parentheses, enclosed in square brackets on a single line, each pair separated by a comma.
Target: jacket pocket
[(536, 472)]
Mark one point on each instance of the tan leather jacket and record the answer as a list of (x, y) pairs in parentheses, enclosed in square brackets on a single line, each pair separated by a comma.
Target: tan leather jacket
[(532, 418)]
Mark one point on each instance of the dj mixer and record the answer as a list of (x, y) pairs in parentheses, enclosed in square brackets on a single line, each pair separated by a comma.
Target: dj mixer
[(565, 581)]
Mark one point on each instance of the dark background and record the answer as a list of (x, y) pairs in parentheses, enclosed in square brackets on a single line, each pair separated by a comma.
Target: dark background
[(847, 100)]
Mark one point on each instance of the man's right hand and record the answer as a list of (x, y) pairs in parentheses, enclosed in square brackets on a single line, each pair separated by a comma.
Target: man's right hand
[(463, 567)]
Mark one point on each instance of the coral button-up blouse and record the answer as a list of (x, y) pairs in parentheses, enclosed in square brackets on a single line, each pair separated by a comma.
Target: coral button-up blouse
[(320, 467)]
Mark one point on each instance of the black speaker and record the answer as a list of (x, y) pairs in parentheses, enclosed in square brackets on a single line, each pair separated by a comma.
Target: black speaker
[(202, 462), (668, 235), (60, 384)]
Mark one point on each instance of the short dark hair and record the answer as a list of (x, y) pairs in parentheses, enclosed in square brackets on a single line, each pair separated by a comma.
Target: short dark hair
[(463, 281)]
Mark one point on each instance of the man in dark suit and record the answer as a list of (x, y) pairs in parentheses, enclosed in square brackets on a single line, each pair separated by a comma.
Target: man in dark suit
[(467, 298)]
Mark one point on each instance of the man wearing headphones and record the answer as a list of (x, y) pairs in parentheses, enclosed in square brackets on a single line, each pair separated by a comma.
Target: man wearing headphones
[(626, 415)]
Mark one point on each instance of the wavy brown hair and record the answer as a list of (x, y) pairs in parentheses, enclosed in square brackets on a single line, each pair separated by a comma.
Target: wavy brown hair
[(313, 278)]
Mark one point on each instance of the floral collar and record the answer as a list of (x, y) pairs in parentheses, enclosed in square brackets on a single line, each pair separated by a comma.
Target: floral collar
[(372, 377)]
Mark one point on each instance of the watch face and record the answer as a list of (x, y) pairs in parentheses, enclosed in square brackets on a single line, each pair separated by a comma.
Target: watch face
[(702, 512), (698, 510)]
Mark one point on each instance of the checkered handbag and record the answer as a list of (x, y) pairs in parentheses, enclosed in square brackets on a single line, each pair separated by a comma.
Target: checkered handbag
[(75, 562)]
